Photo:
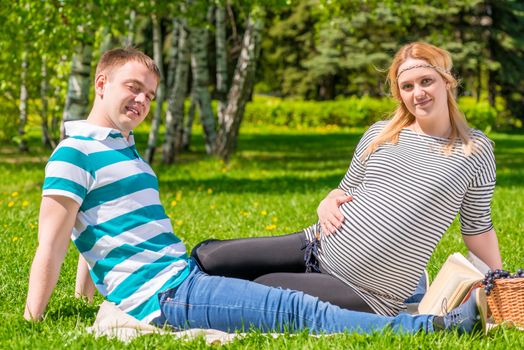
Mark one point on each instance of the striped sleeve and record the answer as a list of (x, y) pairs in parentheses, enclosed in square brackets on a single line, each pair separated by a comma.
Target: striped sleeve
[(357, 168), (475, 211), (68, 173)]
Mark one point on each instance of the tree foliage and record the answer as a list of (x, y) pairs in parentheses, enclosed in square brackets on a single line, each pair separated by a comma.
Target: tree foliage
[(310, 49)]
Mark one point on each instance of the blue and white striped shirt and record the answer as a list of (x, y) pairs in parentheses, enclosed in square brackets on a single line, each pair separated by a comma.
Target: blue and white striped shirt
[(121, 229)]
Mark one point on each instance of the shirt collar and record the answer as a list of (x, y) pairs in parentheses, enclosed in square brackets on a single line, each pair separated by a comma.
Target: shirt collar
[(100, 133)]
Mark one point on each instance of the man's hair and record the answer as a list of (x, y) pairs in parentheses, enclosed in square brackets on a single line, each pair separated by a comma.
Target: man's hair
[(118, 57)]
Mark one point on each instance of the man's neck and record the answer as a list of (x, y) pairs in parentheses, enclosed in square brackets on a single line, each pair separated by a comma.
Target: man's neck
[(97, 118)]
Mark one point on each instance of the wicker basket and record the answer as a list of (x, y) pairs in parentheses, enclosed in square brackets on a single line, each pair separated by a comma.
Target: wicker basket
[(506, 301)]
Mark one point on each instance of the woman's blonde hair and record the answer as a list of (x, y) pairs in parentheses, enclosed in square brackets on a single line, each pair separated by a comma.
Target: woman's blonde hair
[(441, 61)]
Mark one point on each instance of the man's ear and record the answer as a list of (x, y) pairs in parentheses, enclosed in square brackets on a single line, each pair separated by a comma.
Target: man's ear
[(100, 83)]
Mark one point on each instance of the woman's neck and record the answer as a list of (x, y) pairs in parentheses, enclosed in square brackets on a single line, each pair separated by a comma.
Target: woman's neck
[(439, 129)]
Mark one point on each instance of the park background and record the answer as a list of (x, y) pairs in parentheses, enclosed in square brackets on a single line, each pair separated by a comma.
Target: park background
[(259, 110)]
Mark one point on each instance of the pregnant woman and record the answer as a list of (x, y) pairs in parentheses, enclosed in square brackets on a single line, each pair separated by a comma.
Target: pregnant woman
[(409, 178)]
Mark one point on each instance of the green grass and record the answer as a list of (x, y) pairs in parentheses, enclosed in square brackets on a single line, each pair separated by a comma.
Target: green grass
[(272, 186)]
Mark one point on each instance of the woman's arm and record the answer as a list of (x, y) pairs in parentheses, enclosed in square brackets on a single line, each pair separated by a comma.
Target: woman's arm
[(486, 247), (84, 288)]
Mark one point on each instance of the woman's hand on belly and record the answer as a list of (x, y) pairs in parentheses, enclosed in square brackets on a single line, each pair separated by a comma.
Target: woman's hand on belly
[(329, 214)]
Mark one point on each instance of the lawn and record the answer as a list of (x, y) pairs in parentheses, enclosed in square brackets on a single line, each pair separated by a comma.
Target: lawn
[(271, 186)]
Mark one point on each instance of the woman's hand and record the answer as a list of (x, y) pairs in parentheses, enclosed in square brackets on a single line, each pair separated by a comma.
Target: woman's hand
[(329, 213)]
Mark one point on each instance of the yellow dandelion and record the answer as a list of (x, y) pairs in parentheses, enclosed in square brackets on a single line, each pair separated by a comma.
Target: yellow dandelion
[(263, 212), (25, 203), (14, 239), (173, 203), (274, 219), (179, 222), (14, 194), (209, 190), (271, 227), (10, 204)]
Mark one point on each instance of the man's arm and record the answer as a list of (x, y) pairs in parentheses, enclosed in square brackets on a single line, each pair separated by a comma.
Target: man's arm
[(55, 223), (84, 288), (486, 247)]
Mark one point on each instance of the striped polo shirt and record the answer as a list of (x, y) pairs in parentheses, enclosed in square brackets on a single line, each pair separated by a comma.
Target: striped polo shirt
[(405, 196), (121, 228)]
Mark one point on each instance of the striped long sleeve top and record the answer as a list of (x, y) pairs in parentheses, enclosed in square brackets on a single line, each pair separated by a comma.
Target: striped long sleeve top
[(405, 196)]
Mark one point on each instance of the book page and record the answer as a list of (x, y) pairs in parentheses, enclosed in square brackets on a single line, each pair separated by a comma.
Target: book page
[(450, 286)]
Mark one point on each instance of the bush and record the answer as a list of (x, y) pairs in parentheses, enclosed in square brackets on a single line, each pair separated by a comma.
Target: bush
[(351, 112), (480, 115), (296, 113), (10, 122)]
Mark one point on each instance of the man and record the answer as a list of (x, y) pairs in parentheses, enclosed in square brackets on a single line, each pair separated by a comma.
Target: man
[(99, 192)]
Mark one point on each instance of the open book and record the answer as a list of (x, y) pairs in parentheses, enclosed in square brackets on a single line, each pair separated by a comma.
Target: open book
[(452, 283)]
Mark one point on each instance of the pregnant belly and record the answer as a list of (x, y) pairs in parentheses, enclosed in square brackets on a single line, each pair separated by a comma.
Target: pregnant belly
[(375, 253)]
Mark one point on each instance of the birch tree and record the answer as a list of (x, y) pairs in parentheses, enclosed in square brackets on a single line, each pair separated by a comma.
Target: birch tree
[(241, 86), (171, 70), (188, 124), (22, 142), (221, 61), (47, 139), (77, 96), (175, 108), (160, 94), (130, 37), (199, 65)]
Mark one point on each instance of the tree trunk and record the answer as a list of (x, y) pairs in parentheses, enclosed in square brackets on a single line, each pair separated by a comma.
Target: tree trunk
[(22, 144), (47, 139), (130, 37), (221, 61), (199, 65), (188, 127), (77, 98), (157, 117), (241, 87), (108, 40), (171, 70), (491, 46), (175, 109)]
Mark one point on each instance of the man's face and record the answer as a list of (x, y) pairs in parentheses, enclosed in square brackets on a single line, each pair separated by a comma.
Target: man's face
[(126, 93)]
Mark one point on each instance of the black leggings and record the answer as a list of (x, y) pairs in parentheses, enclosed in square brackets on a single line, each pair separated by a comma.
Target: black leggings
[(277, 262)]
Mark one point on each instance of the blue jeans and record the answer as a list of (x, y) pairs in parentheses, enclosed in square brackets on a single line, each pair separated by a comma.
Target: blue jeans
[(230, 304)]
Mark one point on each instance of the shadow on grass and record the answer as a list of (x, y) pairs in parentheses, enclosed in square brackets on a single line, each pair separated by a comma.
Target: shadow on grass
[(73, 308), (274, 185)]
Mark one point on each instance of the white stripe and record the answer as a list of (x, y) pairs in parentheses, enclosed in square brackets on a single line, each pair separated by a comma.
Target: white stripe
[(149, 288), (127, 267), (135, 236), (120, 206), (69, 171)]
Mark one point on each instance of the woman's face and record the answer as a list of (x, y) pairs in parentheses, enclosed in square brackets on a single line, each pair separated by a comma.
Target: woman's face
[(423, 90)]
